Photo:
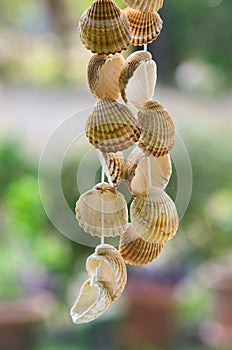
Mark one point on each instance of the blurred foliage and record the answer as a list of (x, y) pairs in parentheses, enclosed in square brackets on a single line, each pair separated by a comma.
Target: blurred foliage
[(39, 43)]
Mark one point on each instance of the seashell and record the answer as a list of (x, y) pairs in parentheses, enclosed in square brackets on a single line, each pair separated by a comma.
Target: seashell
[(136, 251), (113, 166), (138, 78), (154, 216), (157, 130), (104, 28), (111, 127), (139, 172), (102, 211), (92, 302), (145, 26), (107, 266), (145, 5), (103, 75)]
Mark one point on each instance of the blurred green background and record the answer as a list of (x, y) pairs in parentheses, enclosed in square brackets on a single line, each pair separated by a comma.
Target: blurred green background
[(42, 82)]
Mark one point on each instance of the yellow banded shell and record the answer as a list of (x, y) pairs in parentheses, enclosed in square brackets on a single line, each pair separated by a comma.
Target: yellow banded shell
[(104, 28), (138, 78), (145, 26), (145, 5), (136, 251), (93, 300), (111, 127), (157, 130), (113, 166), (154, 216), (141, 169), (102, 210), (103, 75), (102, 263)]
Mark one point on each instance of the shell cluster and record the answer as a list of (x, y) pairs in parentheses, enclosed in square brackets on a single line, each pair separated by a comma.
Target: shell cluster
[(113, 127)]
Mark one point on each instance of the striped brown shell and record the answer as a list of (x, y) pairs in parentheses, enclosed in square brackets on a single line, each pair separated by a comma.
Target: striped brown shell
[(145, 26), (157, 130), (145, 5), (113, 165), (104, 28)]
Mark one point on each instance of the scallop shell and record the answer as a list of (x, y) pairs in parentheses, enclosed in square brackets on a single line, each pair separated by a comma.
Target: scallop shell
[(157, 130), (107, 266), (102, 210), (145, 26), (145, 5), (92, 302), (154, 216), (137, 171), (136, 251), (111, 127), (138, 78), (104, 28), (113, 166), (103, 75)]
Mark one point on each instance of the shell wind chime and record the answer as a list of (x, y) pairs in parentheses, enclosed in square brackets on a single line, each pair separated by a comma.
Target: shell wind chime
[(112, 128)]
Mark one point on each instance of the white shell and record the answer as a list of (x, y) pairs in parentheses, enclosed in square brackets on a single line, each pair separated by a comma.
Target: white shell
[(139, 172), (92, 302), (138, 79), (107, 266), (102, 210)]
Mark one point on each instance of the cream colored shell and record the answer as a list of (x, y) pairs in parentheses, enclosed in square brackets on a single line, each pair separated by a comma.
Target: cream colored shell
[(154, 216), (138, 78), (103, 75), (145, 5), (102, 210), (145, 26), (104, 28), (136, 251), (111, 127), (107, 266), (141, 169), (113, 166), (157, 130), (93, 300)]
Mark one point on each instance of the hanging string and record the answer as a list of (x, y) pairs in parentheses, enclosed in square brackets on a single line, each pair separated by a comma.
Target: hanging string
[(148, 96)]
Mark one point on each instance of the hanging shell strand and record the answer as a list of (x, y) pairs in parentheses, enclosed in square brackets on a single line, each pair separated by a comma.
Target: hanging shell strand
[(111, 128)]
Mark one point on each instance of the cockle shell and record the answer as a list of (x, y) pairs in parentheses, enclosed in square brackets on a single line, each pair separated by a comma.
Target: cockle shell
[(102, 210), (113, 166), (107, 266), (138, 78), (104, 28), (145, 5), (136, 251), (111, 127), (145, 26), (154, 216), (93, 300), (157, 130), (103, 75), (139, 172)]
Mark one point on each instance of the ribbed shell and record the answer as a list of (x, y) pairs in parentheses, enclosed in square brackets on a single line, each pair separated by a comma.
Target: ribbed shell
[(103, 75), (102, 210), (137, 168), (145, 5), (145, 26), (157, 130), (111, 127), (136, 251), (113, 165), (98, 264), (138, 78), (93, 300), (154, 216), (104, 28)]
